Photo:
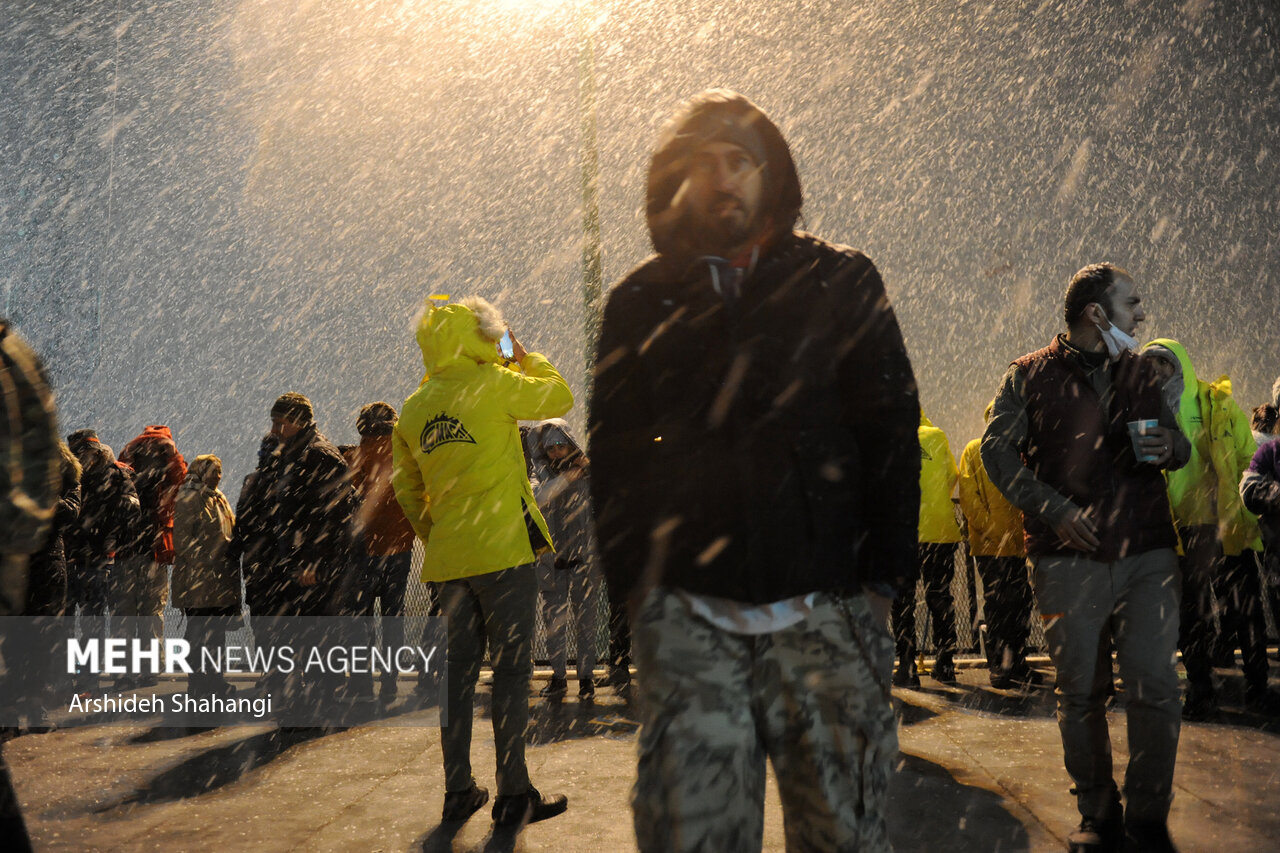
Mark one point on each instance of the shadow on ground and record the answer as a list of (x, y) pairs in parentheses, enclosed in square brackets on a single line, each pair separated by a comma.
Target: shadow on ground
[(930, 811), (610, 714), (501, 839), (214, 768)]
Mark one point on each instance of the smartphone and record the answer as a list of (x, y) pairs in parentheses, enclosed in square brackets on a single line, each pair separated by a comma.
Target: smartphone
[(505, 346)]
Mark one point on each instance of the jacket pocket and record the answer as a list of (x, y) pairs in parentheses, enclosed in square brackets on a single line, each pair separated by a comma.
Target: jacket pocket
[(829, 473)]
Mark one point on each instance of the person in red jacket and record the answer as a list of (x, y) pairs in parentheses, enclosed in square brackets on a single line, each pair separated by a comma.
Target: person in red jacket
[(383, 538), (140, 582)]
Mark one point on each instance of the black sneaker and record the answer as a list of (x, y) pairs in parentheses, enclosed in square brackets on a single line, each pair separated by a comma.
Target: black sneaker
[(1097, 836), (905, 675), (460, 805), (558, 686), (944, 670), (528, 808), (586, 691), (619, 678), (1016, 677), (1147, 836)]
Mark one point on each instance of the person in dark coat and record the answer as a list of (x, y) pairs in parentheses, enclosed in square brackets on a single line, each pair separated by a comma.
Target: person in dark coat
[(109, 516), (38, 662), (250, 547), (29, 478), (307, 504), (756, 487)]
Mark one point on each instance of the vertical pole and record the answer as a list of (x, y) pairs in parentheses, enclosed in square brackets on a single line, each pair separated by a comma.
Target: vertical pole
[(592, 270)]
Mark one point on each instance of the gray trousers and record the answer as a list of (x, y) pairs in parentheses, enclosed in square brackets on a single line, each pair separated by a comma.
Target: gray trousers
[(578, 589), (1135, 601), (812, 698), (497, 607), (139, 589)]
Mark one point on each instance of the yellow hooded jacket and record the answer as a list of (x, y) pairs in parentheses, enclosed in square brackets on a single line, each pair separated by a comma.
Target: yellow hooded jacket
[(995, 525), (458, 463), (1215, 423), (937, 482)]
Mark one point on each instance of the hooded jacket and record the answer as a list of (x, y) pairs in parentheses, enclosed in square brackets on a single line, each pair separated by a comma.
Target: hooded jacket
[(937, 484), (202, 525), (995, 525), (1207, 489), (458, 464), (159, 470), (564, 493), (759, 447), (1260, 489)]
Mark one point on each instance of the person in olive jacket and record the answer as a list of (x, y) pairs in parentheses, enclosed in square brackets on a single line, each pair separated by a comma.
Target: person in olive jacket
[(205, 586)]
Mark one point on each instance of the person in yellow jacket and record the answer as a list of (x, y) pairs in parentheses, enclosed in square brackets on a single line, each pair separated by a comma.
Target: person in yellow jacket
[(938, 535), (996, 545), (458, 471), (1217, 532)]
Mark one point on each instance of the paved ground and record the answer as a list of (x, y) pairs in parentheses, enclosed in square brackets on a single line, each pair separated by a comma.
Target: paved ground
[(980, 771)]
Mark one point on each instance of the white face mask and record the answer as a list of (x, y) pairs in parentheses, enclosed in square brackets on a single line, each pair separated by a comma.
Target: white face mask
[(1116, 340)]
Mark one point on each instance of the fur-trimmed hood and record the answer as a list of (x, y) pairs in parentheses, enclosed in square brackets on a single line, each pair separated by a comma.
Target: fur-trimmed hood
[(467, 330)]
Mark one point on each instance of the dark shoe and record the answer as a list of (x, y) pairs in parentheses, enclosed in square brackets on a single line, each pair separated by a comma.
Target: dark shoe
[(528, 808), (1097, 836), (586, 691), (460, 805), (619, 678), (1016, 677), (1200, 706), (1262, 701), (387, 692), (1147, 836), (905, 675), (944, 670), (556, 688)]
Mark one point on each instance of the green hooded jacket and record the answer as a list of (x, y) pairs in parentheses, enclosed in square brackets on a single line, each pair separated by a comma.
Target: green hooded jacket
[(1212, 420)]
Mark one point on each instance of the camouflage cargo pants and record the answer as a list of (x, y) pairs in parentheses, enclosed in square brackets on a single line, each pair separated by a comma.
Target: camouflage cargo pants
[(812, 698)]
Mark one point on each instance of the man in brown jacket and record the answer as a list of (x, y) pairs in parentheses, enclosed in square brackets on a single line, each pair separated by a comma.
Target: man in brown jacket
[(383, 537), (1062, 446)]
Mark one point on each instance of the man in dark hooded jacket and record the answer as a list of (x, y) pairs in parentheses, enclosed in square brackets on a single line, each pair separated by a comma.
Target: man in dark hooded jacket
[(756, 482), (307, 502)]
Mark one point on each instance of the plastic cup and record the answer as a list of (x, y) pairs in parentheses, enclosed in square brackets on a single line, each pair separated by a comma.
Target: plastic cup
[(1137, 429)]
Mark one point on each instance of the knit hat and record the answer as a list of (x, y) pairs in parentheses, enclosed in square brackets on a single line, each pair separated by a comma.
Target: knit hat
[(81, 439), (376, 419), (295, 408)]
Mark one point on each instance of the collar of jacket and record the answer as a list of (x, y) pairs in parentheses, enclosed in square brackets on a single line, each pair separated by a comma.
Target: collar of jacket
[(295, 446)]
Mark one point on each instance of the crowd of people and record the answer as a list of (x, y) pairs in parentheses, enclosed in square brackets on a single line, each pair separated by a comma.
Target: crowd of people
[(762, 498)]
